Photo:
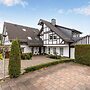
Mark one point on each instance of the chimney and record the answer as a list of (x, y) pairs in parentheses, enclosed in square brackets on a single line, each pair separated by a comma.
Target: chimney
[(53, 21)]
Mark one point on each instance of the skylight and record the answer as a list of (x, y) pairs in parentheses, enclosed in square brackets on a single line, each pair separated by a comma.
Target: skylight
[(29, 38), (24, 29)]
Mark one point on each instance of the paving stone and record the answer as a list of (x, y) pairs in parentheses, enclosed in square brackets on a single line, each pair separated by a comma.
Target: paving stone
[(67, 76)]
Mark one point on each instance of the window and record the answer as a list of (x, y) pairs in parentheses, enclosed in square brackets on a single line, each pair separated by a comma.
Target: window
[(22, 49), (54, 37), (49, 50), (29, 38), (61, 51), (50, 37), (24, 29), (54, 51)]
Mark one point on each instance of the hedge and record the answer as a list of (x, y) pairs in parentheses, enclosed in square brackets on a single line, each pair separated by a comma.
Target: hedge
[(15, 60), (82, 54), (54, 56), (26, 56), (37, 67)]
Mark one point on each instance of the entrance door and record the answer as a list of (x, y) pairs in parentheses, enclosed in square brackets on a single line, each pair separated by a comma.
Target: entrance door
[(39, 50)]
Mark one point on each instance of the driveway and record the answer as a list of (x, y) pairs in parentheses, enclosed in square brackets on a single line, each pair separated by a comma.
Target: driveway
[(24, 64), (66, 76)]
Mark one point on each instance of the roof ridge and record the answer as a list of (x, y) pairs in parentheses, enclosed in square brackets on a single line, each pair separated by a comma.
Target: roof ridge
[(20, 25)]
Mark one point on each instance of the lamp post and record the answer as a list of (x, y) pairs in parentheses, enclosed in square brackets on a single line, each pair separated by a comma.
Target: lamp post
[(4, 35)]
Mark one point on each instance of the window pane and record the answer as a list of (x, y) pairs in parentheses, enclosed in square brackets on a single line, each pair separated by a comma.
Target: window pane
[(61, 51), (22, 49)]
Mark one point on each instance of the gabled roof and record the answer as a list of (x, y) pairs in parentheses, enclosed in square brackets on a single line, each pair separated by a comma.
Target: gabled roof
[(22, 33), (63, 32)]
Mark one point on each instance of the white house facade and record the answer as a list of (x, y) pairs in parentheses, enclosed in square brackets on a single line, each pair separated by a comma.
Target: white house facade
[(50, 39)]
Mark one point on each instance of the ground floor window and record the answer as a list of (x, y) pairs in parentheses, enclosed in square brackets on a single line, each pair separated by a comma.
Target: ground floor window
[(61, 51), (54, 50), (49, 50), (22, 49)]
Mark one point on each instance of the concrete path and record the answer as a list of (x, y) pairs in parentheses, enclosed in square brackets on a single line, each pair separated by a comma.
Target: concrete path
[(24, 64), (67, 76)]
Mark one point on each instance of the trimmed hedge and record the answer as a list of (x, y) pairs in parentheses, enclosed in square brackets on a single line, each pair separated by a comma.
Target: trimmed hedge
[(26, 56), (54, 56), (82, 54), (15, 60), (37, 67)]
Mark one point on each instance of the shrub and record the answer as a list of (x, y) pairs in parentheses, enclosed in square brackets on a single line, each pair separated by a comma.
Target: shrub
[(82, 54), (15, 60), (26, 56), (37, 67), (1, 57), (54, 56)]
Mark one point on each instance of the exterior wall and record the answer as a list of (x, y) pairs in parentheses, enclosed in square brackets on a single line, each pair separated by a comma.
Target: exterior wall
[(26, 48), (85, 40), (45, 36), (65, 51), (36, 50), (7, 41)]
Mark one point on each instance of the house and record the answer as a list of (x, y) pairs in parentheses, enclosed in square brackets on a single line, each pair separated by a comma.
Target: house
[(28, 37), (58, 39), (50, 39)]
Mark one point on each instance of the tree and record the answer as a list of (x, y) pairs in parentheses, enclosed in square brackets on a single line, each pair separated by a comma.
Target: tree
[(15, 60)]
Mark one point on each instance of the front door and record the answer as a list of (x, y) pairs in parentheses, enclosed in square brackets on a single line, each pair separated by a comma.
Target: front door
[(39, 50)]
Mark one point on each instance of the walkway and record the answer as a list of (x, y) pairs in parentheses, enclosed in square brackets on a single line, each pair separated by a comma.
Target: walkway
[(25, 63), (67, 76)]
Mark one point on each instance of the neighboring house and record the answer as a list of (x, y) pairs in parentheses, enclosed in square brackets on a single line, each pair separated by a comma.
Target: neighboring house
[(83, 40), (27, 36), (51, 39)]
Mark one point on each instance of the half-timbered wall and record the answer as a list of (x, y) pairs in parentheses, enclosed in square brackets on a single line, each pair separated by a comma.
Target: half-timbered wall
[(50, 38)]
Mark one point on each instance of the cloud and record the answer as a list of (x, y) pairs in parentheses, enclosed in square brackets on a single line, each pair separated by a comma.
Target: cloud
[(85, 10), (14, 2), (61, 11)]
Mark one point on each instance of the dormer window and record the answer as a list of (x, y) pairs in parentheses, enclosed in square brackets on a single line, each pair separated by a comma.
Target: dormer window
[(29, 38), (76, 35), (24, 29)]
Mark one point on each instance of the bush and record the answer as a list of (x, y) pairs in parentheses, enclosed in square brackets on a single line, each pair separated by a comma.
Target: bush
[(15, 60), (1, 56), (82, 54), (26, 56), (37, 67), (54, 56)]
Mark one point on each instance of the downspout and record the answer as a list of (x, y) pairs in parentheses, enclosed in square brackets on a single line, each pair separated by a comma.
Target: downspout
[(69, 50)]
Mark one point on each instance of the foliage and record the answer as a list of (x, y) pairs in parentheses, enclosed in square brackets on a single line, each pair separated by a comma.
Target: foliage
[(15, 60), (26, 56), (54, 56), (1, 57), (37, 67), (82, 54)]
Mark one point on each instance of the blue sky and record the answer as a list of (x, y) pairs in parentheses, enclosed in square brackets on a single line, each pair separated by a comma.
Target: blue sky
[(70, 13)]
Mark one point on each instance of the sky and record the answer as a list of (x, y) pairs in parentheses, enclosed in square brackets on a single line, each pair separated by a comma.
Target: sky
[(73, 14)]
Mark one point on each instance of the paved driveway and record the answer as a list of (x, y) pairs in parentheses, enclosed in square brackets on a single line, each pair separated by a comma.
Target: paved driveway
[(25, 63), (67, 76)]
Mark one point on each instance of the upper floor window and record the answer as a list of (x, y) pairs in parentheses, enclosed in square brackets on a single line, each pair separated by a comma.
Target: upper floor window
[(76, 35), (50, 37), (54, 37)]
